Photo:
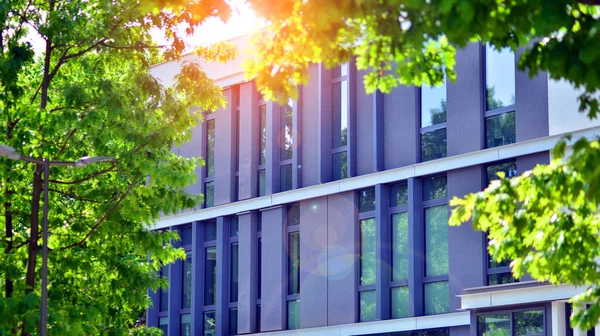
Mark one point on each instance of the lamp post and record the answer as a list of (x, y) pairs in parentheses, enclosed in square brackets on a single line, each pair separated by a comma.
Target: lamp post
[(12, 154)]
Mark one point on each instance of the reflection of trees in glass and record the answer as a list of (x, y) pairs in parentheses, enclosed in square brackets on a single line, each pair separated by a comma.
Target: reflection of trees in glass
[(438, 115), (368, 306), (366, 200), (344, 136), (210, 143), (287, 140), (436, 240), (529, 323), (400, 302), (400, 246), (187, 281), (340, 165), (294, 263), (263, 134), (500, 130), (501, 278), (210, 277), (293, 314), (209, 194), (437, 332), (262, 183), (437, 298), (367, 252), (433, 145), (491, 101), (398, 194), (209, 323), (435, 188), (493, 325), (509, 169)]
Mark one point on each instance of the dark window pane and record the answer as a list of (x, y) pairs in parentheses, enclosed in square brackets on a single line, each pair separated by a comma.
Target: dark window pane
[(367, 306), (436, 240), (163, 305), (435, 187), (285, 177), (210, 147), (163, 324), (210, 230), (398, 194), (293, 314), (234, 227), (366, 200), (210, 277), (263, 134), (340, 114), (258, 312), (259, 268), (499, 77), (294, 215), (400, 302), (187, 281), (433, 145), (529, 323), (500, 130), (367, 252), (437, 332), (400, 246), (186, 325), (233, 286), (259, 224), (286, 140), (340, 166), (493, 325), (501, 278), (186, 235), (262, 183), (233, 321), (237, 140), (508, 168), (437, 298), (209, 323), (294, 263), (433, 105), (209, 194)]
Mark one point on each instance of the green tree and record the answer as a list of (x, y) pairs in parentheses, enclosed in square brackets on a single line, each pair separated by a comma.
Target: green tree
[(89, 92)]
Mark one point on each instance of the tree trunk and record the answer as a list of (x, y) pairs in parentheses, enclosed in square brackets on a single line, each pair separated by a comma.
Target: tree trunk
[(8, 284)]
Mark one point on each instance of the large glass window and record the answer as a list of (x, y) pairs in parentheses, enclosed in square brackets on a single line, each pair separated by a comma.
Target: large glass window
[(367, 252), (233, 286), (163, 324), (233, 273), (210, 323), (293, 297), (524, 322), (186, 325), (428, 332), (435, 203), (294, 263), (186, 301), (285, 176), (340, 165), (262, 160), (339, 123), (433, 122), (233, 321), (210, 276), (293, 319), (209, 185), (399, 272), (500, 97), (209, 194), (287, 139), (367, 258), (163, 295)]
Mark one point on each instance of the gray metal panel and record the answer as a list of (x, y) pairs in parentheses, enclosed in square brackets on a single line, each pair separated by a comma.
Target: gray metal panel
[(272, 164), (342, 254), (401, 127), (529, 162), (224, 152), (309, 139), (384, 252), (194, 148), (531, 98), (273, 298), (352, 127), (465, 246), (152, 311), (247, 276), (222, 304), (197, 278), (416, 242), (324, 122), (313, 261), (175, 273), (364, 128), (378, 131), (460, 331), (465, 102), (249, 141)]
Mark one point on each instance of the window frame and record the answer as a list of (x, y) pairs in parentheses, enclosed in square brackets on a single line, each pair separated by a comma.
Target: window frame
[(430, 128), (361, 217), (188, 251), (205, 246), (291, 229), (284, 162), (511, 312), (394, 210), (346, 147), (208, 179)]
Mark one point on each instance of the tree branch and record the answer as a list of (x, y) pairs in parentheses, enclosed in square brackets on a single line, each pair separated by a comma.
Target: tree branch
[(89, 177), (74, 196)]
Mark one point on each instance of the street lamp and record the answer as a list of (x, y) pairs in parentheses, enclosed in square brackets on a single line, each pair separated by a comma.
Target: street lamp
[(12, 154)]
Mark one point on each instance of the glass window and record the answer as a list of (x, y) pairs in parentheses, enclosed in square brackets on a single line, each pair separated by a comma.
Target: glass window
[(164, 292), (186, 235), (262, 183), (339, 71), (187, 281), (433, 145), (210, 147), (501, 278), (437, 332), (340, 114), (209, 194), (367, 306), (499, 77), (285, 177), (508, 168), (258, 313), (210, 230), (233, 321), (367, 252), (263, 134), (340, 166), (233, 286), (437, 298), (435, 187), (186, 325), (210, 277), (210, 324), (494, 324), (293, 314), (163, 324), (529, 322), (400, 302), (237, 140), (294, 215), (259, 268), (433, 105), (287, 140), (294, 263), (436, 240), (398, 194), (367, 200), (500, 130), (400, 246), (234, 227)]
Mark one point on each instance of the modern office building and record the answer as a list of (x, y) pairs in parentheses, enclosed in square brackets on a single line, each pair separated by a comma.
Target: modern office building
[(328, 215)]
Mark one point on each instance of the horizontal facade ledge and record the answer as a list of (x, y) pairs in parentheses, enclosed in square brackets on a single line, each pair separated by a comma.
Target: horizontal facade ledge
[(392, 175), (377, 327), (523, 295)]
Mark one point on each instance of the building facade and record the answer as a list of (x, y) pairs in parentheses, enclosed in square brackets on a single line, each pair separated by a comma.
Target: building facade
[(328, 215)]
